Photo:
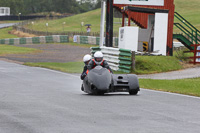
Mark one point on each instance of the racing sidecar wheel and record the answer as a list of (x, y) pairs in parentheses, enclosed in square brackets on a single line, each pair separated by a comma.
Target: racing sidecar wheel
[(100, 93), (133, 92), (82, 88)]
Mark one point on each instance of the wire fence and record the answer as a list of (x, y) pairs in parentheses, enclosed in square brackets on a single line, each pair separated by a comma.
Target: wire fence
[(21, 27), (46, 33)]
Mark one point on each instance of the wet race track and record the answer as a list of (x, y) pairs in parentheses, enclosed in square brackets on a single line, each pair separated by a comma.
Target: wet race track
[(38, 100)]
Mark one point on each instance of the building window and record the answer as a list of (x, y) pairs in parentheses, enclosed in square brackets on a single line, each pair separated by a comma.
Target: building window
[(2, 11)]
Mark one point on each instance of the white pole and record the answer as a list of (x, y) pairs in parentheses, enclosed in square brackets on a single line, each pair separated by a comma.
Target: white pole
[(125, 21), (103, 4)]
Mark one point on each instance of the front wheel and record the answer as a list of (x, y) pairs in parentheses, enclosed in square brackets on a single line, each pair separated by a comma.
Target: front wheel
[(82, 88), (100, 93), (133, 92)]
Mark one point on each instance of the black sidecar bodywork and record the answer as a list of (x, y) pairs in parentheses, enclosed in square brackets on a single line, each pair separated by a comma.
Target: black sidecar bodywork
[(99, 81)]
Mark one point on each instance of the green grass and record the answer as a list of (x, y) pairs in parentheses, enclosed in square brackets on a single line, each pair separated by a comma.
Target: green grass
[(73, 23), (7, 49), (156, 64), (144, 65), (6, 21), (69, 67), (4, 33), (182, 86), (183, 56), (188, 9)]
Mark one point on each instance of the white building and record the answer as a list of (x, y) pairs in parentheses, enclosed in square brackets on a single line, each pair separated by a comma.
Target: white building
[(4, 11)]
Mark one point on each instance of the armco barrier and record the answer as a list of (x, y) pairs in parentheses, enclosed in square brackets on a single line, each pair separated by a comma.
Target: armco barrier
[(118, 59), (36, 40), (92, 40)]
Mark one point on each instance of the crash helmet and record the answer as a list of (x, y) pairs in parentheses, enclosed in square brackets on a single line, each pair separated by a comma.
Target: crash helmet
[(98, 57), (87, 58)]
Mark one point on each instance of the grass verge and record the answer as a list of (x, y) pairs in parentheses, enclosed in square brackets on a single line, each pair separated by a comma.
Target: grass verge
[(69, 67), (144, 65), (5, 33), (183, 56), (73, 23), (188, 9), (181, 86), (7, 49), (6, 21), (156, 64)]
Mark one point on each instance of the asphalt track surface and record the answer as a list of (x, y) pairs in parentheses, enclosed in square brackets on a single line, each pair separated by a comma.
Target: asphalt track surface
[(38, 100), (6, 25)]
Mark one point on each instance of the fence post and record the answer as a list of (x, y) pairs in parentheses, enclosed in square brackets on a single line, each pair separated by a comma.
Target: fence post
[(195, 53), (133, 60)]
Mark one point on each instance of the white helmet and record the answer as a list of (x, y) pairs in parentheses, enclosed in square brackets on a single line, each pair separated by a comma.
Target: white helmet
[(87, 58), (98, 57)]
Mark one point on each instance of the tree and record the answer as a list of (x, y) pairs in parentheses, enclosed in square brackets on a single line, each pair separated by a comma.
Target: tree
[(98, 5), (36, 6), (16, 6)]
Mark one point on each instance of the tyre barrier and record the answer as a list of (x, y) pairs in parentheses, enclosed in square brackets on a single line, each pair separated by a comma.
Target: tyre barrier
[(118, 59), (92, 40), (36, 40)]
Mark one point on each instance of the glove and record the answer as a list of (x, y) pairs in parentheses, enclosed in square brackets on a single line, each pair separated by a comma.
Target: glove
[(83, 76)]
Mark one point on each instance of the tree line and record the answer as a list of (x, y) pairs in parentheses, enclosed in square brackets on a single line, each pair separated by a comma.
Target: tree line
[(27, 7)]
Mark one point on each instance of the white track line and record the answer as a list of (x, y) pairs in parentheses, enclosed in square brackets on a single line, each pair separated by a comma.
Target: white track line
[(170, 93)]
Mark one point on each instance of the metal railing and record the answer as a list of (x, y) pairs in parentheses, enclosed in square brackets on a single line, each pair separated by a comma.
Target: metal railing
[(196, 57), (191, 32)]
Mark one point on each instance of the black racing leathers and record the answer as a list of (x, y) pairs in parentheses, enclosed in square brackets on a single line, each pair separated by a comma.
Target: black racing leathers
[(84, 72), (104, 64)]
